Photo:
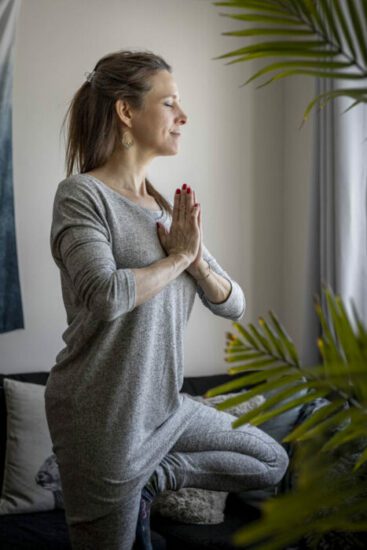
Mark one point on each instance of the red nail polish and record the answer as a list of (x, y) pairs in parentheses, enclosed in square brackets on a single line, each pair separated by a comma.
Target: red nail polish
[(188, 190), (178, 191), (184, 186)]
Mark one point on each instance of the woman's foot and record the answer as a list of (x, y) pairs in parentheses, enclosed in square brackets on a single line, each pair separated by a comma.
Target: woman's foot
[(148, 493), (142, 536)]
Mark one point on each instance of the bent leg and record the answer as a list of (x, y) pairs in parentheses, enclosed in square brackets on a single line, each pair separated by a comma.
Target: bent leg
[(212, 455)]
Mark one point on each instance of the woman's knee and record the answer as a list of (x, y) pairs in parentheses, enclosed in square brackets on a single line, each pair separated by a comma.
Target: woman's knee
[(278, 469)]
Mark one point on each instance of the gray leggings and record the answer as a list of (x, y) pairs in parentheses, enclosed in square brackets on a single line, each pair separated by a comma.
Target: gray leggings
[(209, 454)]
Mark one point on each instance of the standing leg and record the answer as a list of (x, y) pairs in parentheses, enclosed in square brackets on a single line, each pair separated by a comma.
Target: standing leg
[(114, 531), (113, 526)]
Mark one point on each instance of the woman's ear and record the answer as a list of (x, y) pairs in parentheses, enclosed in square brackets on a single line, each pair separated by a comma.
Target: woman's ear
[(124, 112)]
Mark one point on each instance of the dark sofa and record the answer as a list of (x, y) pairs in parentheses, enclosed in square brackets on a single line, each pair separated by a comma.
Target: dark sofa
[(48, 530)]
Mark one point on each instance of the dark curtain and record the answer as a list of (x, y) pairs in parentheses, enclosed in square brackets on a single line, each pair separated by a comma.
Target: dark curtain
[(11, 311)]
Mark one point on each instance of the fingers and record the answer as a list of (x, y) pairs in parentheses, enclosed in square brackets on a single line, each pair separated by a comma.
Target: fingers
[(176, 208), (183, 204), (189, 202)]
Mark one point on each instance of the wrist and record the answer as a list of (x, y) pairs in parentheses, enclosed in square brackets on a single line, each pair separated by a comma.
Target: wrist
[(181, 259), (201, 270)]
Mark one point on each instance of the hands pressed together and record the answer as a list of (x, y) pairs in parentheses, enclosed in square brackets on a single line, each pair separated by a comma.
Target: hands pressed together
[(186, 234)]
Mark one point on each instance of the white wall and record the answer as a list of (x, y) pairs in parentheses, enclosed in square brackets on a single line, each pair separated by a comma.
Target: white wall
[(297, 298), (240, 151)]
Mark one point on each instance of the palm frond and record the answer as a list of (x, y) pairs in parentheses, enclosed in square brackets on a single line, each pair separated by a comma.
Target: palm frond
[(315, 507), (331, 444), (269, 357), (328, 30), (353, 93)]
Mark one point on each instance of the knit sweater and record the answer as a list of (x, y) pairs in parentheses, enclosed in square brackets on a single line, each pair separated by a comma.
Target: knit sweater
[(113, 398)]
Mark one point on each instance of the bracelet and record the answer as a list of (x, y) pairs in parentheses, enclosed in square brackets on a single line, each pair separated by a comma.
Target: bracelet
[(206, 276)]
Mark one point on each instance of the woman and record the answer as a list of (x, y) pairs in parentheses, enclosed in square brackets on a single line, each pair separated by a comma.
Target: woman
[(121, 430)]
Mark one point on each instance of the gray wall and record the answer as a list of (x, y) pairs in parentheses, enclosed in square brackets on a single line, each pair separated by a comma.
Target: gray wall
[(240, 151)]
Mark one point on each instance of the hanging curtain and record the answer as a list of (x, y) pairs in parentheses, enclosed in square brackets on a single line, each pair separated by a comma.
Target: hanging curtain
[(348, 267), (11, 312), (337, 240), (337, 251)]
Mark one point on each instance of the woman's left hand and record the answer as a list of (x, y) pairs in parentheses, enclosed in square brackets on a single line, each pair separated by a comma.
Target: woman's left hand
[(193, 268)]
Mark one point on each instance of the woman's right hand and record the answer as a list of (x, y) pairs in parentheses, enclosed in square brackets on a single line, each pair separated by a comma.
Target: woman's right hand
[(184, 234)]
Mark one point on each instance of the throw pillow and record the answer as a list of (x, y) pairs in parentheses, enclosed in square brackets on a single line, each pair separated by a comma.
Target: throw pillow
[(194, 505), (31, 481)]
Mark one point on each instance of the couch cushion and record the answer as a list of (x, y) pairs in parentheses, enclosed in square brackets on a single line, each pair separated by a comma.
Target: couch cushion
[(28, 485), (31, 377)]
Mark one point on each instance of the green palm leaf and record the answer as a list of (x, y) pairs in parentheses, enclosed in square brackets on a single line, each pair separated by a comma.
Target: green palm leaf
[(329, 17), (266, 346), (329, 32), (284, 53), (285, 339), (261, 418), (269, 47), (346, 435), (332, 421), (316, 506), (360, 39), (275, 341), (301, 63), (362, 459), (335, 426), (257, 32), (348, 92), (262, 6), (263, 18), (323, 412), (344, 26), (267, 367), (324, 74)]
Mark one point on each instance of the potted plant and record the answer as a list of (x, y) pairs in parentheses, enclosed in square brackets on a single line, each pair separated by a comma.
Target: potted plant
[(327, 505)]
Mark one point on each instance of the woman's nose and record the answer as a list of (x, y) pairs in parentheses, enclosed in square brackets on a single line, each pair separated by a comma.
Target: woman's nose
[(183, 118)]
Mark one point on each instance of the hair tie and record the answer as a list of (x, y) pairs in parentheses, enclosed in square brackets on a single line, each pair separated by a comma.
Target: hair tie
[(89, 76)]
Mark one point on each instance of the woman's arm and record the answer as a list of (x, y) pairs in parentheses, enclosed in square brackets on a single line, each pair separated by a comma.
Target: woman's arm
[(151, 279), (218, 292), (81, 247), (216, 288), (220, 284)]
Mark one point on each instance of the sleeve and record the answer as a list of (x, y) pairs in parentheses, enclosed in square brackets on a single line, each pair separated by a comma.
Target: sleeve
[(81, 245), (235, 305)]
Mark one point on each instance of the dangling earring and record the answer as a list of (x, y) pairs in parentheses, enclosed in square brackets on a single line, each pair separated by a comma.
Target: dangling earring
[(127, 140)]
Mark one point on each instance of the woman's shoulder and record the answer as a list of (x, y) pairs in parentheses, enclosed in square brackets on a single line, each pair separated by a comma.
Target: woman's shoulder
[(78, 186)]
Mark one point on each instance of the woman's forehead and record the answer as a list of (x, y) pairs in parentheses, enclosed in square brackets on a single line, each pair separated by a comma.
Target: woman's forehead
[(164, 85)]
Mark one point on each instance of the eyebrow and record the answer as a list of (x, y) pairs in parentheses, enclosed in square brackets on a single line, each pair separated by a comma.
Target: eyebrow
[(172, 95)]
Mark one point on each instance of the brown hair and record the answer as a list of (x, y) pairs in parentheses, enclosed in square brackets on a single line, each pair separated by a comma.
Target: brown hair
[(94, 129)]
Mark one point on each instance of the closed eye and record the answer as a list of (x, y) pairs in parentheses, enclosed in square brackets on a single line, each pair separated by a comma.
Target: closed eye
[(168, 105)]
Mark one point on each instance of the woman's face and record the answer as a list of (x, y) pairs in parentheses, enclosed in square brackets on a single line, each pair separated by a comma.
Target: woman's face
[(161, 115)]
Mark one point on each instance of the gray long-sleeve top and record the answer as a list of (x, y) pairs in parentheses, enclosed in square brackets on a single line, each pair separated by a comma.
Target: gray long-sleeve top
[(113, 396)]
